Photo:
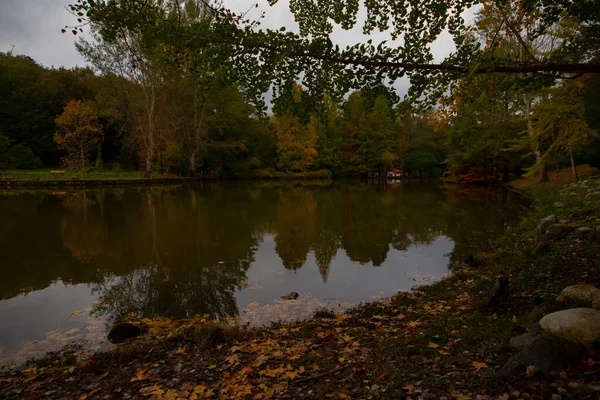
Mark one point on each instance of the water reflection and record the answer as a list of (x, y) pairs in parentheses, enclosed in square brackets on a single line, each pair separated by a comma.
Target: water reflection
[(216, 248)]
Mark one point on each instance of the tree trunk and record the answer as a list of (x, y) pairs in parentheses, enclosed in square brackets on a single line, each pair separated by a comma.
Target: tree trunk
[(82, 158), (192, 169), (573, 167), (506, 174), (150, 138), (535, 144)]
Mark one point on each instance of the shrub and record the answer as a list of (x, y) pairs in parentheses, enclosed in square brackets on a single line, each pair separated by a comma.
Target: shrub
[(21, 157)]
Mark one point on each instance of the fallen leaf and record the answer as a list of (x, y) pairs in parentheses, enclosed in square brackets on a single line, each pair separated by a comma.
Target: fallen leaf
[(479, 365), (139, 375), (433, 345), (180, 350)]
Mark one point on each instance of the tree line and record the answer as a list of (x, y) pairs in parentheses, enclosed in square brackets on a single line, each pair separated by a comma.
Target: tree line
[(178, 87)]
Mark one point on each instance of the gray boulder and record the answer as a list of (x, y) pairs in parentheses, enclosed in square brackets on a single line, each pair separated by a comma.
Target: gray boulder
[(585, 229), (545, 223), (582, 293), (537, 313), (559, 229), (518, 343), (579, 325), (547, 353)]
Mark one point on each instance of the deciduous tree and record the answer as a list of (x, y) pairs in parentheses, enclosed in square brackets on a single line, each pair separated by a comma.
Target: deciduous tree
[(77, 133)]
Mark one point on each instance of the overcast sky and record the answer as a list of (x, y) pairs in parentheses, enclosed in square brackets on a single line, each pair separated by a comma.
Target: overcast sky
[(33, 27)]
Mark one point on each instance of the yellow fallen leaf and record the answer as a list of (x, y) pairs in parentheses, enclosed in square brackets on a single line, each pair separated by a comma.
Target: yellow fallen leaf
[(433, 345), (479, 365), (514, 319), (342, 317), (139, 375), (180, 350), (342, 395)]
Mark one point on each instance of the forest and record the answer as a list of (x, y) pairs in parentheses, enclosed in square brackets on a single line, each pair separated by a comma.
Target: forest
[(155, 99)]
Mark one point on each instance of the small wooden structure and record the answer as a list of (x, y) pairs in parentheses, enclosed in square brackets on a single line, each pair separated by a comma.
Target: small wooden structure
[(395, 173)]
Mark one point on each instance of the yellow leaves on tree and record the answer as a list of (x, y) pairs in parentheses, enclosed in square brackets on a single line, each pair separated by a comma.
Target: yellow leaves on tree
[(77, 133), (296, 143)]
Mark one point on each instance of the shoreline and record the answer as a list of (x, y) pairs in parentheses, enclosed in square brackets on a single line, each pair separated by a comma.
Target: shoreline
[(442, 340)]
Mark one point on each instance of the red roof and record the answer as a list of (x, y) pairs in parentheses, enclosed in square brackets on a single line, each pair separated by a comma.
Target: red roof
[(396, 170)]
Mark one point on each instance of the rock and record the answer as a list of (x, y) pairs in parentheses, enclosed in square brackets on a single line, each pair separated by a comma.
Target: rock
[(536, 314), (589, 195), (558, 229), (291, 296), (518, 343), (585, 229), (547, 353), (583, 293), (542, 247), (579, 325), (535, 328), (558, 204), (545, 223), (123, 331)]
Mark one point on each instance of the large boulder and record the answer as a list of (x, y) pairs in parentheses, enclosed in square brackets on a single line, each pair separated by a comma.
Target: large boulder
[(579, 325), (518, 343), (583, 293), (545, 223), (547, 353)]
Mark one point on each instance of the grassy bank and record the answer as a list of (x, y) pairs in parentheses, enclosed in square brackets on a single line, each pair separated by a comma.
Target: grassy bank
[(47, 175), (439, 341)]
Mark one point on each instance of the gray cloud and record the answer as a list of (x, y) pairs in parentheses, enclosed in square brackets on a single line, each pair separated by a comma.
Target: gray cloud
[(33, 26)]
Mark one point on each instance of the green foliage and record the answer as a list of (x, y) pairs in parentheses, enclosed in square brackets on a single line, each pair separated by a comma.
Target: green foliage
[(21, 157), (17, 156), (4, 146)]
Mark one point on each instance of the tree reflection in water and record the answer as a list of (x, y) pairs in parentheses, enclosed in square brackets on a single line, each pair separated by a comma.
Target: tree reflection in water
[(182, 250)]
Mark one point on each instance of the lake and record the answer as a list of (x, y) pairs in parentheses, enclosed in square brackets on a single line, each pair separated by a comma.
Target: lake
[(74, 262)]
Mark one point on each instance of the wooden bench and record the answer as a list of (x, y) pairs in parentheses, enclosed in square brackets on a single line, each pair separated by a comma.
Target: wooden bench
[(56, 173)]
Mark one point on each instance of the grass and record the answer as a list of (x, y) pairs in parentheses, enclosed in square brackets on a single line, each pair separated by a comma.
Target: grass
[(46, 175)]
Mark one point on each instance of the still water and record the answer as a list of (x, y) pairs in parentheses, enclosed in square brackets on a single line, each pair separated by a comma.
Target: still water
[(73, 262)]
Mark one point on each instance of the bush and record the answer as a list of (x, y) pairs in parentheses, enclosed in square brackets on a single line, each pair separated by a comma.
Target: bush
[(21, 157), (4, 145)]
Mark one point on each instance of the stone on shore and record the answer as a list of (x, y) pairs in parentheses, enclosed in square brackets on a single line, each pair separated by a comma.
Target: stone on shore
[(583, 293), (547, 353), (545, 223), (123, 331), (579, 325)]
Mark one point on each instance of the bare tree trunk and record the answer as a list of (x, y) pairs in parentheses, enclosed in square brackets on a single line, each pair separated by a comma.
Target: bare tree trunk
[(535, 144), (573, 167), (150, 139), (82, 158), (192, 169)]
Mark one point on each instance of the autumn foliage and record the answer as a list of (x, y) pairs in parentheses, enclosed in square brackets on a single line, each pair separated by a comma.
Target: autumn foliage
[(77, 133)]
